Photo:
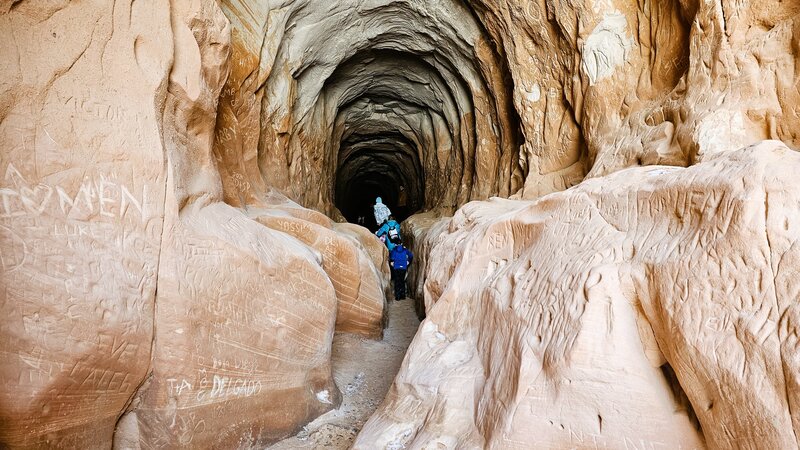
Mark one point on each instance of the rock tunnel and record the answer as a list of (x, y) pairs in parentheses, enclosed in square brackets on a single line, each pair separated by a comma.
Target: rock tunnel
[(601, 198), (406, 122), (411, 96)]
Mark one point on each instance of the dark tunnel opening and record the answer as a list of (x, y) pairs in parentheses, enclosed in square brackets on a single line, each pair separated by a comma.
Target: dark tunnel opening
[(379, 167), (418, 130), (385, 131)]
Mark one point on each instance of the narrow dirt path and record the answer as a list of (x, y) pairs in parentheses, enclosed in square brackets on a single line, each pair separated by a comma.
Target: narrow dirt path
[(363, 370)]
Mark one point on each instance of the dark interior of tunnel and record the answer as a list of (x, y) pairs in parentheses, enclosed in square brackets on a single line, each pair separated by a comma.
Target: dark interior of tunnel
[(380, 147), (383, 166), (406, 129)]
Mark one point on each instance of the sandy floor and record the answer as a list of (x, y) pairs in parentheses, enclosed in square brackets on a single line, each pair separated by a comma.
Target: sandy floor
[(363, 370)]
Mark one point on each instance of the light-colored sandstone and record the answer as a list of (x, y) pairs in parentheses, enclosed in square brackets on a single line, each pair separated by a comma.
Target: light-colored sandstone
[(171, 175), (242, 351), (571, 316), (82, 214), (358, 286), (140, 308)]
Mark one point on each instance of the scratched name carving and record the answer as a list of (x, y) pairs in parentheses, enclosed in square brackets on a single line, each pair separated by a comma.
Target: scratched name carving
[(94, 196), (218, 387)]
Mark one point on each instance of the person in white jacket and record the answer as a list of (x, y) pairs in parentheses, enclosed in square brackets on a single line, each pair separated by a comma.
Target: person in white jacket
[(382, 212)]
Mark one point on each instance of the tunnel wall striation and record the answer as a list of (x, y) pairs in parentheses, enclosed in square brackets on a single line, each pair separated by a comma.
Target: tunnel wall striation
[(358, 96), (600, 86)]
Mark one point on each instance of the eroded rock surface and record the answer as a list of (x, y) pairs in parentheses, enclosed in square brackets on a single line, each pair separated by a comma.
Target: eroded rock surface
[(140, 309), (82, 214), (601, 86), (571, 316), (171, 174)]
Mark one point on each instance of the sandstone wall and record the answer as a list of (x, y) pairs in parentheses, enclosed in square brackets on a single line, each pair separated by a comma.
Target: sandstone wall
[(82, 213), (654, 307), (601, 86), (141, 309)]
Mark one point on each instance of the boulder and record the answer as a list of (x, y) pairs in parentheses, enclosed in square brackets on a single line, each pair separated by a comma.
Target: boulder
[(83, 175), (654, 307)]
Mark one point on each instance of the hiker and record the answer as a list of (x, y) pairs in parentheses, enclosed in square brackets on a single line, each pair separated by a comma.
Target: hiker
[(399, 260), (390, 230), (382, 212)]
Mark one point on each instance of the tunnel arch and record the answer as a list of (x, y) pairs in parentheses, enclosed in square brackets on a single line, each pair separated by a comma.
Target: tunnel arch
[(379, 166), (415, 95), (372, 111)]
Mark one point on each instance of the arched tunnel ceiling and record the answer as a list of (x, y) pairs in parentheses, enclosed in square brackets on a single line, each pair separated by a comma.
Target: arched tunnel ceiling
[(387, 93), (391, 94), (383, 94)]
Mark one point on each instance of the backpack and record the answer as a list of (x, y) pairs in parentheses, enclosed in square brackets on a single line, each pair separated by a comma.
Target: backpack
[(400, 257), (394, 233)]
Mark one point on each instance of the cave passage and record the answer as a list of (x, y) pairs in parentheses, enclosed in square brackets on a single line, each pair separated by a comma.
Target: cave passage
[(379, 166), (391, 105), (405, 130), (418, 111)]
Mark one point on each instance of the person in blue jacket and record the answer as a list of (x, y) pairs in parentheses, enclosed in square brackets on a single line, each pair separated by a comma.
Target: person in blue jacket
[(389, 230), (399, 260)]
